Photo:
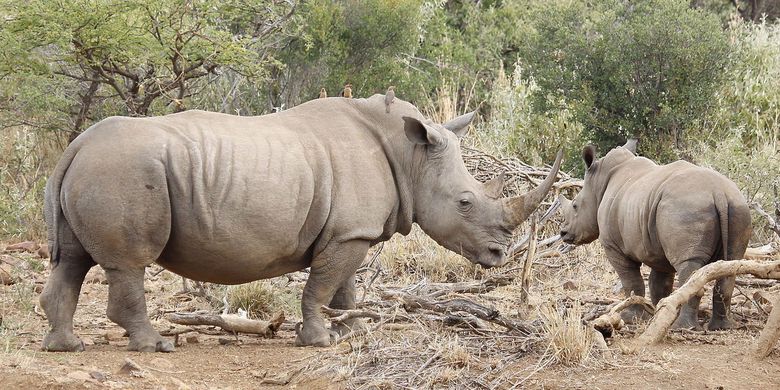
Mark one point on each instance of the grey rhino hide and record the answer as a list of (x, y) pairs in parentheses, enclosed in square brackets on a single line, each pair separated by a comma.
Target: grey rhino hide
[(675, 218), (231, 199)]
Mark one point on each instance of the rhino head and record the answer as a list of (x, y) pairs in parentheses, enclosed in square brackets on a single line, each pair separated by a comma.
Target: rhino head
[(457, 211), (580, 216)]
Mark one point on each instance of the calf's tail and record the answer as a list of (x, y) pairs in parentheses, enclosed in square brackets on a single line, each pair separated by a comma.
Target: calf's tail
[(52, 195), (722, 207)]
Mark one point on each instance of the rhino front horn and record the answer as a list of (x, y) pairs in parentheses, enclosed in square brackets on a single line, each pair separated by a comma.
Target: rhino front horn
[(519, 208)]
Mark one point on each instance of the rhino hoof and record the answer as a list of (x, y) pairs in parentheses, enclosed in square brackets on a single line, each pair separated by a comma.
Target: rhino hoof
[(316, 337), (160, 346), (721, 324), (62, 343)]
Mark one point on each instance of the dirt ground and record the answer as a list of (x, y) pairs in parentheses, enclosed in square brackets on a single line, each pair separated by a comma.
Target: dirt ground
[(214, 360)]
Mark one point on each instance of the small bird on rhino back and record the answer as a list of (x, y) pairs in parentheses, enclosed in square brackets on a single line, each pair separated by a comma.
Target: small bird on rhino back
[(389, 97), (347, 91)]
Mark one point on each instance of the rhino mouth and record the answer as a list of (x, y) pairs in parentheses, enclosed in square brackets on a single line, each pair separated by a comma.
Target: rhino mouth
[(495, 256)]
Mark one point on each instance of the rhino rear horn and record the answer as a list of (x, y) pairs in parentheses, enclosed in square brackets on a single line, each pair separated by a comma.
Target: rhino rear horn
[(519, 208)]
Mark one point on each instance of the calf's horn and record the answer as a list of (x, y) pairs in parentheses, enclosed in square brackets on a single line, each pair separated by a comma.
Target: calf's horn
[(519, 208)]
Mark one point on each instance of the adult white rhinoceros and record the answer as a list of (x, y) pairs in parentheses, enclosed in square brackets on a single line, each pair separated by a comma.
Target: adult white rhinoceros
[(673, 218), (231, 199)]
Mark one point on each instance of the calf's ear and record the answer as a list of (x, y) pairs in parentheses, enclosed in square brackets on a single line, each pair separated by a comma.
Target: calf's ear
[(460, 125), (631, 145), (421, 133), (589, 155)]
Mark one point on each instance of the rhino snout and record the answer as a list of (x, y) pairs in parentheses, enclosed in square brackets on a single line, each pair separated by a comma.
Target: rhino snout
[(566, 237)]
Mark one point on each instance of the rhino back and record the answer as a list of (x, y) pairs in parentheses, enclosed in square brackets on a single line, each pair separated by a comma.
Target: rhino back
[(248, 198)]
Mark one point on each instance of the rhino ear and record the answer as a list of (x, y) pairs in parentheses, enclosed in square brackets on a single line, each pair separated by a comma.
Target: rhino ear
[(495, 186), (460, 125), (589, 155), (420, 133), (631, 145)]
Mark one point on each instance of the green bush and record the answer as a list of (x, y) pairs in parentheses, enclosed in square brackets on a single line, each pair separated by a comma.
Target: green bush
[(643, 69)]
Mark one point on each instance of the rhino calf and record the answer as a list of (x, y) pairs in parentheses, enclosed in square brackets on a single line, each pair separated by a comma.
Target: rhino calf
[(231, 199), (675, 218)]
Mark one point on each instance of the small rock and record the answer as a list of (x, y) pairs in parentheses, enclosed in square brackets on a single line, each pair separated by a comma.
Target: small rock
[(114, 335), (6, 278), (162, 364), (98, 376), (79, 376), (131, 368), (224, 341), (617, 288), (179, 384), (27, 246), (43, 251), (192, 339), (570, 285), (87, 341), (38, 288), (96, 276)]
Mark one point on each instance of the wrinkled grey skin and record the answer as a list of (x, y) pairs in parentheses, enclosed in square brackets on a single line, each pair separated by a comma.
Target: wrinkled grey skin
[(230, 199), (675, 218)]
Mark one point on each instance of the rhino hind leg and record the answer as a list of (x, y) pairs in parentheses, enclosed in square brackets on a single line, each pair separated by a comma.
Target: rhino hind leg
[(661, 285), (330, 270), (127, 308), (345, 299), (631, 279), (721, 304), (689, 313), (60, 296)]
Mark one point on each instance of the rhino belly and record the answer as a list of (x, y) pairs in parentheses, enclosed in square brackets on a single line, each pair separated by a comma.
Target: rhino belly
[(233, 264)]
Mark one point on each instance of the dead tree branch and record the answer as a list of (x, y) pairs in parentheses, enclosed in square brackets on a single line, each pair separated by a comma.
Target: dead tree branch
[(771, 332), (669, 307), (611, 321), (230, 322)]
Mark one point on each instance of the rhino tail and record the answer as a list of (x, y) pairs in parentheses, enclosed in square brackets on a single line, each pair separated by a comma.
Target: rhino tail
[(722, 207), (52, 195)]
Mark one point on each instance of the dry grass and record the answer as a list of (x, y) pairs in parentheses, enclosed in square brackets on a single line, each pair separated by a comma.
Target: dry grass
[(263, 298), (570, 342)]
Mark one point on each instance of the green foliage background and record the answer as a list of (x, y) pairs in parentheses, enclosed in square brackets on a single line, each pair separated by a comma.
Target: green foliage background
[(698, 80)]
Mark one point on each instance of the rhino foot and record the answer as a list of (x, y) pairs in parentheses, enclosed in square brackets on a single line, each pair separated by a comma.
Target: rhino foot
[(156, 344), (685, 322), (635, 314), (721, 324), (314, 336), (61, 342)]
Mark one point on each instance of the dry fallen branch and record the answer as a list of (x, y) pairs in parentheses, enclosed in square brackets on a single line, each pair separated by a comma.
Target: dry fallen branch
[(458, 306), (611, 321), (771, 332), (339, 315), (230, 322), (669, 307)]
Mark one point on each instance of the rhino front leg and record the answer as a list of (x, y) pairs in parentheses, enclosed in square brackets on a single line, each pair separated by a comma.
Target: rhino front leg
[(345, 299), (330, 271), (689, 313), (127, 307), (721, 304), (631, 279)]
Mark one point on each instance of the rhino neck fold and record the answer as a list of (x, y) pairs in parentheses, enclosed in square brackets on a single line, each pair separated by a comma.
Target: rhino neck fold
[(398, 155)]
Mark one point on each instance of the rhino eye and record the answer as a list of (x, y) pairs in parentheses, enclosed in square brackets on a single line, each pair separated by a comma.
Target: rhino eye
[(464, 204)]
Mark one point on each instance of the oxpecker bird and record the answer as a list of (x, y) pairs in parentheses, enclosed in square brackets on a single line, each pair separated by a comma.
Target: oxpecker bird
[(389, 97)]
